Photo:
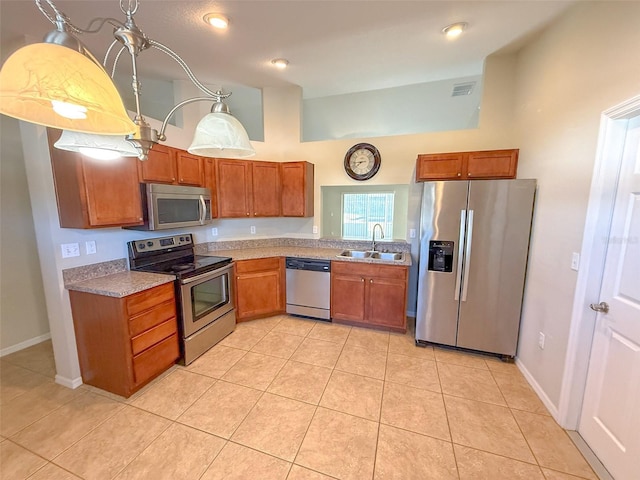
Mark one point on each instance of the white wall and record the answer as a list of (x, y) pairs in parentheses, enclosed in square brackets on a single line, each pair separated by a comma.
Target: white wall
[(586, 62), (23, 314)]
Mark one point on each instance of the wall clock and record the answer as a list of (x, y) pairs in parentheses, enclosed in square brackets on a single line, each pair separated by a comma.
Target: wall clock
[(362, 161)]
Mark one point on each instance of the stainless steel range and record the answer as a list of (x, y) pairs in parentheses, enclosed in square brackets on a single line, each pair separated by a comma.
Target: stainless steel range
[(204, 290)]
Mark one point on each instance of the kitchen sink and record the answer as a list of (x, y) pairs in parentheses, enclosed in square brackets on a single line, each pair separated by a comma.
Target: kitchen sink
[(356, 253), (387, 255), (373, 255)]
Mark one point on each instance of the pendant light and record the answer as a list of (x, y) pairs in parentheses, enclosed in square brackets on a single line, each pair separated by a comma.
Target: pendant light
[(59, 84)]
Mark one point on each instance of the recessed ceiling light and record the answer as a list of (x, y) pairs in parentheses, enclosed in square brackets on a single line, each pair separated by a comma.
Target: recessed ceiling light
[(454, 30), (216, 20), (280, 63)]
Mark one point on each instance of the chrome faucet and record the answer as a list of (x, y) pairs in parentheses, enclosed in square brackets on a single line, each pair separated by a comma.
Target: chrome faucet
[(373, 240)]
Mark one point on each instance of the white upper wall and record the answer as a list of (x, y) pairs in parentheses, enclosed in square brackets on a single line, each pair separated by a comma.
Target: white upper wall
[(585, 63)]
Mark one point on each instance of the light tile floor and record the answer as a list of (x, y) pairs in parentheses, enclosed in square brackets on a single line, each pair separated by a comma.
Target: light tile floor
[(288, 398)]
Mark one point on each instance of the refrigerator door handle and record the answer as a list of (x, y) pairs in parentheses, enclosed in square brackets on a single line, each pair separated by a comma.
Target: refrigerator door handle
[(463, 219), (467, 257)]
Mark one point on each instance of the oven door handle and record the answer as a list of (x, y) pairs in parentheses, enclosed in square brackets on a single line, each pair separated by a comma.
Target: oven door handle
[(206, 275), (203, 210)]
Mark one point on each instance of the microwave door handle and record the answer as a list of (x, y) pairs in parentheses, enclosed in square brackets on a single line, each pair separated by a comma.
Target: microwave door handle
[(203, 210)]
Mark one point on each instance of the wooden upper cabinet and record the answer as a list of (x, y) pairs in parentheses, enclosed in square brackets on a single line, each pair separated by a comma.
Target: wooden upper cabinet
[(209, 171), (234, 188), (266, 189), (441, 166), (172, 165), (247, 188), (189, 168), (297, 189), (93, 193), (490, 164), (160, 167)]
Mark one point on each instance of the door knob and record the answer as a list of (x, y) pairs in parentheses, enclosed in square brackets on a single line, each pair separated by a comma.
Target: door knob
[(600, 307)]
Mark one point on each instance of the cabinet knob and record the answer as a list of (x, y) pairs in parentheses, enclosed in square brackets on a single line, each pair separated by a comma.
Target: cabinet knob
[(362, 279), (459, 174), (173, 179), (371, 280), (247, 214), (469, 174)]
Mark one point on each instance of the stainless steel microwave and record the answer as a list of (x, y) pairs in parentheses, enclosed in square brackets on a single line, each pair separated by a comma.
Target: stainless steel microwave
[(173, 206)]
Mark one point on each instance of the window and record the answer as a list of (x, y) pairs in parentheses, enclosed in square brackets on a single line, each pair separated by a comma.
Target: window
[(361, 211)]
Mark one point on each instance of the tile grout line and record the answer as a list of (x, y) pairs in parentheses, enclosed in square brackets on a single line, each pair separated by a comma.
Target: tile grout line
[(446, 414)]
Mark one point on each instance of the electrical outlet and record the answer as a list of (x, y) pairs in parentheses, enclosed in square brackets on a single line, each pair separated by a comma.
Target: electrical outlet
[(90, 247), (541, 340), (214, 231), (70, 250), (575, 261), (315, 229), (412, 233), (253, 229)]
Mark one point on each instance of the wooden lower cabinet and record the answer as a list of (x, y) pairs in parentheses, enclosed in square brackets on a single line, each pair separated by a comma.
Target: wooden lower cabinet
[(259, 287), (123, 343), (369, 295)]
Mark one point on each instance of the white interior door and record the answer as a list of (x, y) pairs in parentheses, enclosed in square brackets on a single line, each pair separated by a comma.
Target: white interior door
[(610, 419)]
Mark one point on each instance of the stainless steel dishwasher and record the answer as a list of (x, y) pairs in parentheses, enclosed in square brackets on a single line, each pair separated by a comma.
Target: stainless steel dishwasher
[(309, 287)]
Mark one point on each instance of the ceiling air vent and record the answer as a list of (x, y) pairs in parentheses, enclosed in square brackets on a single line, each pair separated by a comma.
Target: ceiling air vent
[(461, 89)]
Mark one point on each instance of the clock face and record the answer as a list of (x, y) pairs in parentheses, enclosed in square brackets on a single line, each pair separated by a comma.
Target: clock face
[(362, 161)]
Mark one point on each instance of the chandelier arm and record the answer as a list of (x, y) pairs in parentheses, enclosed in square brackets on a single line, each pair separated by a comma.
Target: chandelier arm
[(115, 61), (62, 17), (161, 135), (163, 48), (107, 53)]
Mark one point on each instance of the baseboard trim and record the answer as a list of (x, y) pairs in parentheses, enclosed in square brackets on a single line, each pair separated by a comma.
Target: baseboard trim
[(26, 344), (553, 409), (72, 383)]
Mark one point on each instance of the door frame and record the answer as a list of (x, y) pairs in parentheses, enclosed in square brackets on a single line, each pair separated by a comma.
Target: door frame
[(613, 127)]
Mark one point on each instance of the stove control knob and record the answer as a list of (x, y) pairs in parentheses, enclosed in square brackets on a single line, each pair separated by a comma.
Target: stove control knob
[(187, 239), (149, 244), (141, 246), (182, 239)]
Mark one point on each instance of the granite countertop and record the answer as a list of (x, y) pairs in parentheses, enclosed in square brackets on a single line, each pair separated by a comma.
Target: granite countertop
[(302, 252), (120, 284), (113, 279)]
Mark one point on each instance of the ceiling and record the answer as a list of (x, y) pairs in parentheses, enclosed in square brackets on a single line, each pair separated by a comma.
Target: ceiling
[(334, 47)]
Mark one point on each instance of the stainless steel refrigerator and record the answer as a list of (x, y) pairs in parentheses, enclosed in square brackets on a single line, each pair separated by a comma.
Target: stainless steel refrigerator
[(474, 245)]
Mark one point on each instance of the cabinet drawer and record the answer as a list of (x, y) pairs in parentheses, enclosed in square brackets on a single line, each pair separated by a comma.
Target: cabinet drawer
[(155, 359), (151, 318), (368, 270), (139, 302), (257, 265), (154, 335)]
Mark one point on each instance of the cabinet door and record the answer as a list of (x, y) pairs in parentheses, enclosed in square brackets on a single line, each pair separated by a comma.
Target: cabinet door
[(209, 169), (347, 297), (297, 189), (113, 192), (442, 166), (266, 189), (189, 169), (234, 188), (492, 164), (258, 294), (160, 166), (386, 302)]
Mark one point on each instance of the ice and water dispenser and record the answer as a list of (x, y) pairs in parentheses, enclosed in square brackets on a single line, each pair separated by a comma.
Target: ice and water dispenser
[(441, 256)]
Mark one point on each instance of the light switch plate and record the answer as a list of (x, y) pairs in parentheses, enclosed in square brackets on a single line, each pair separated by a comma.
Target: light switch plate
[(70, 250), (214, 231), (90, 247), (253, 229), (412, 233), (575, 261), (315, 229)]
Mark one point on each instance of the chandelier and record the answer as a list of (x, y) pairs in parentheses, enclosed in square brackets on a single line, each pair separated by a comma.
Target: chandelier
[(60, 84)]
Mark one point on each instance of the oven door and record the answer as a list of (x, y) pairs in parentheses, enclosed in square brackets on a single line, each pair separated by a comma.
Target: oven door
[(205, 298)]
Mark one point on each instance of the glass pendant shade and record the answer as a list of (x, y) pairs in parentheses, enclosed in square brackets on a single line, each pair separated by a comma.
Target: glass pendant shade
[(58, 87), (221, 135), (103, 147)]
